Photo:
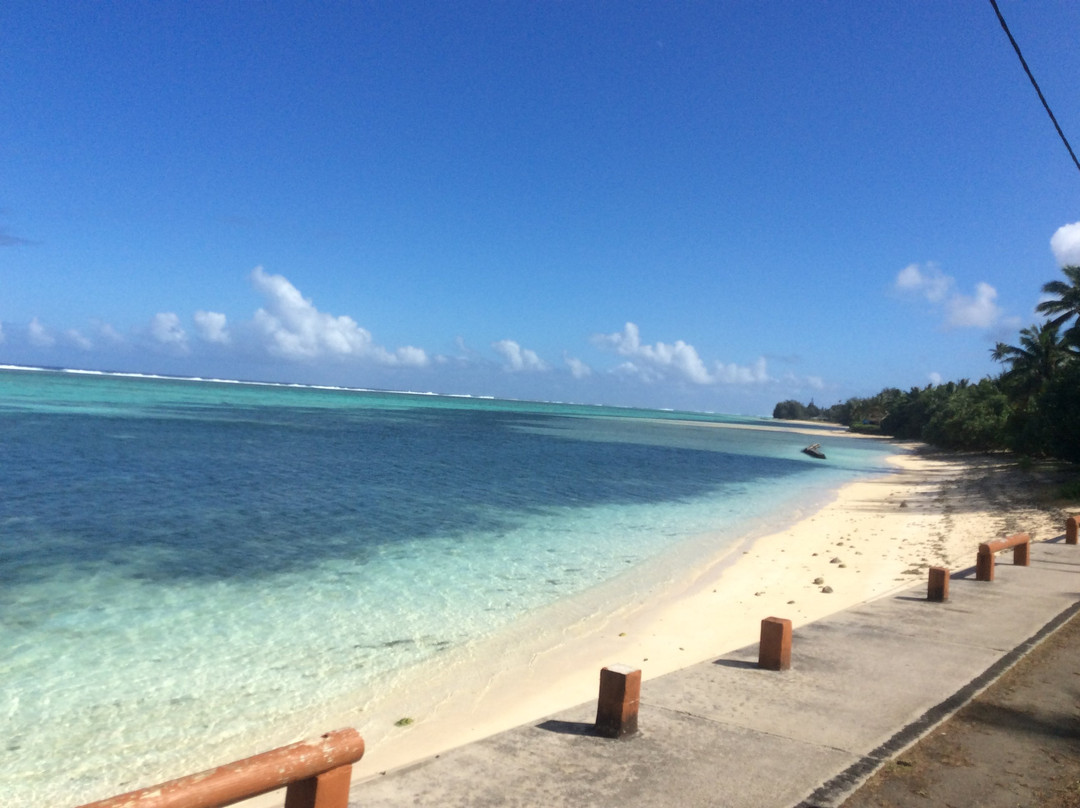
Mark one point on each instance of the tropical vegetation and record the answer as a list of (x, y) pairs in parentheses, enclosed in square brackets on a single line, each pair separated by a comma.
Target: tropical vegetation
[(1032, 407)]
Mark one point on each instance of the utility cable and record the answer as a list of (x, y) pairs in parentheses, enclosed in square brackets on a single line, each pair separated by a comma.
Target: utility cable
[(1034, 83)]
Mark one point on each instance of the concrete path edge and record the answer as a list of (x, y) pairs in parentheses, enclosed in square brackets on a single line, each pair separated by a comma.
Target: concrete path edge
[(833, 791)]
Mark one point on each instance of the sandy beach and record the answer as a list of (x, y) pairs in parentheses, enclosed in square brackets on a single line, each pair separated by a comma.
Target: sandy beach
[(876, 537)]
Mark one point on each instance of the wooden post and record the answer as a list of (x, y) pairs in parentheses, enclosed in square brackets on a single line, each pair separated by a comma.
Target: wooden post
[(984, 564), (617, 706), (1072, 529), (774, 651), (1022, 554), (937, 589), (327, 790)]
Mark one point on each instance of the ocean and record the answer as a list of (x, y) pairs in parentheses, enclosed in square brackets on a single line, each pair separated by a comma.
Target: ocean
[(196, 570)]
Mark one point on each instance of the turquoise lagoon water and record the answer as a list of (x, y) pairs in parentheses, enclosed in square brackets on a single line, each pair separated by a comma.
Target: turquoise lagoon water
[(191, 567)]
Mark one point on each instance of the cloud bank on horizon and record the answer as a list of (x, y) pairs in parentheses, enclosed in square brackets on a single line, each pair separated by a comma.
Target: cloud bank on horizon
[(288, 328)]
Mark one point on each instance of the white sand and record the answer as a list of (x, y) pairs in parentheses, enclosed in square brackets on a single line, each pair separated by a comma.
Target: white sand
[(876, 537), (883, 535)]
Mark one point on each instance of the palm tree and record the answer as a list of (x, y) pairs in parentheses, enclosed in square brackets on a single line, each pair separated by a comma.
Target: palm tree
[(1066, 302), (1036, 361)]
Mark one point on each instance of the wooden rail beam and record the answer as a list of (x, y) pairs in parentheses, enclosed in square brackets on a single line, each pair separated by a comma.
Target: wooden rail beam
[(316, 774), (984, 562)]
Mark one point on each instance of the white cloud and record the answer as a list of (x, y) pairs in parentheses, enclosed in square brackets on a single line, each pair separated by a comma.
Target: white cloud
[(928, 282), (739, 374), (1066, 244), (39, 335), (680, 357), (935, 378), (295, 329), (413, 357), (78, 340), (518, 358), (979, 311), (654, 362), (212, 327), (165, 328), (961, 311), (630, 369), (798, 383), (578, 369), (108, 333)]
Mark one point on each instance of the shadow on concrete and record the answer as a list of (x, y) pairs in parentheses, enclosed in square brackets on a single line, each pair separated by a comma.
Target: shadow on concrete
[(1047, 562), (736, 663), (569, 727)]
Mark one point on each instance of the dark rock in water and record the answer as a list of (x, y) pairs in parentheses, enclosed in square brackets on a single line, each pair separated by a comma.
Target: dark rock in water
[(827, 590)]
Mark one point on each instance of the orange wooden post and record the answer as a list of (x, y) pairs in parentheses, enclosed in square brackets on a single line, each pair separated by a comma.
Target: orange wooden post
[(327, 790), (937, 588), (1072, 529), (617, 706), (774, 651), (984, 564), (1022, 553)]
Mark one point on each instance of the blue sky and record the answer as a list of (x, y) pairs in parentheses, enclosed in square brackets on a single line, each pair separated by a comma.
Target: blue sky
[(712, 206)]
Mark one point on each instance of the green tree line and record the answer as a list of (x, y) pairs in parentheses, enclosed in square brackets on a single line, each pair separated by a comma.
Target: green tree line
[(1032, 407)]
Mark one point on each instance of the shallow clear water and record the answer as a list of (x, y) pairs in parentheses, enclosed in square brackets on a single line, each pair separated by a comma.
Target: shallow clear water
[(186, 565)]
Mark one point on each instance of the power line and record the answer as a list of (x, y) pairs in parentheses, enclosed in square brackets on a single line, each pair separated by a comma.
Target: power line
[(1034, 83)]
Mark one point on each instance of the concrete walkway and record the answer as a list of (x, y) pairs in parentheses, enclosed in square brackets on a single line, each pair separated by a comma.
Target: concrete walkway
[(1015, 745), (863, 685)]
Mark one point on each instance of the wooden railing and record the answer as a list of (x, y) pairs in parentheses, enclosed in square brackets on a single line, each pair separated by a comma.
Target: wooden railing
[(984, 561), (315, 773)]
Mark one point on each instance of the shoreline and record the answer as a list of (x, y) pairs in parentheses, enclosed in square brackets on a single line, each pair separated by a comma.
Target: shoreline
[(874, 537)]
